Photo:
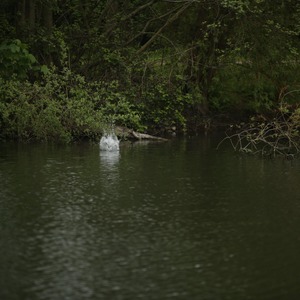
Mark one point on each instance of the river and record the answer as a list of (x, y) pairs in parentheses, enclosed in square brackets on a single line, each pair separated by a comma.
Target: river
[(171, 220)]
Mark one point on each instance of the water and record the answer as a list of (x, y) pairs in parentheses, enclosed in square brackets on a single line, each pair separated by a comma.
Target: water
[(176, 220), (109, 142)]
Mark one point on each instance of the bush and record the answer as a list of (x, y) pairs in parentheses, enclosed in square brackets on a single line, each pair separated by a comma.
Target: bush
[(27, 112), (63, 107), (16, 61)]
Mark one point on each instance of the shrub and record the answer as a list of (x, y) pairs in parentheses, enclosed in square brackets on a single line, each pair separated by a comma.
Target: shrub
[(16, 61), (62, 107)]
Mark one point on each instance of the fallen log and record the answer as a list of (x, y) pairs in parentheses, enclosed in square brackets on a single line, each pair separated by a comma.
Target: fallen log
[(126, 133), (144, 136)]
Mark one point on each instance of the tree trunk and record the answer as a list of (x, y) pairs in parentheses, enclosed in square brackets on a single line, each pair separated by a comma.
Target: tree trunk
[(22, 13), (31, 14), (47, 16)]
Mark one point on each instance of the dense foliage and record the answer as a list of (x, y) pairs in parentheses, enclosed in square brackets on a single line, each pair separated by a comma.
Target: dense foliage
[(70, 68)]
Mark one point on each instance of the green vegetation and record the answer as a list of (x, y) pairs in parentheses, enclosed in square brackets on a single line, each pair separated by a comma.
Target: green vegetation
[(69, 69)]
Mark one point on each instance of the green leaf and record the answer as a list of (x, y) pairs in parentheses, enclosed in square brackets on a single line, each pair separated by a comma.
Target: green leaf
[(31, 58), (44, 69)]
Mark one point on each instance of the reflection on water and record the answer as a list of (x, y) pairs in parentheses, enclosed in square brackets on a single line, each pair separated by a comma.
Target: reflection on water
[(109, 158), (171, 220)]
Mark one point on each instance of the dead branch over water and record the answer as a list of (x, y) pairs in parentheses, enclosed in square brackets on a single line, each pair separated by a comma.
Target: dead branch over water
[(278, 137)]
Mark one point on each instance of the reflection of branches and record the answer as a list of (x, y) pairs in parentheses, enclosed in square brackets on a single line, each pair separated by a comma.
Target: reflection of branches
[(278, 137)]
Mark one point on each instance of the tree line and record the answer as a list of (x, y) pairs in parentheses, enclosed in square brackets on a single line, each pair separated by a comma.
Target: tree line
[(70, 68)]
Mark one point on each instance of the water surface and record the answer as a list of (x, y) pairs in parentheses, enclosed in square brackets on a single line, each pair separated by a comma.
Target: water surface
[(175, 220)]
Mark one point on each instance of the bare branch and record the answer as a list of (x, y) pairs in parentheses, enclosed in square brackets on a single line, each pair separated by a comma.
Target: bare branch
[(168, 22), (148, 23), (277, 137), (137, 10), (133, 13)]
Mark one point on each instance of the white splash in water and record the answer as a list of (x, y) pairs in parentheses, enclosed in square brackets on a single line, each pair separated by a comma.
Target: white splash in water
[(109, 142)]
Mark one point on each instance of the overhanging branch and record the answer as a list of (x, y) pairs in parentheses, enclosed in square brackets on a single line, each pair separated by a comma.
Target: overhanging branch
[(168, 22)]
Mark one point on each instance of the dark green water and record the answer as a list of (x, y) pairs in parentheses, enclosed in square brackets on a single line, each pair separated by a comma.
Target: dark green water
[(176, 220)]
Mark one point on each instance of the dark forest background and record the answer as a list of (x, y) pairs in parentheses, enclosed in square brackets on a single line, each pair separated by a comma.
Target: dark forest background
[(71, 68)]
